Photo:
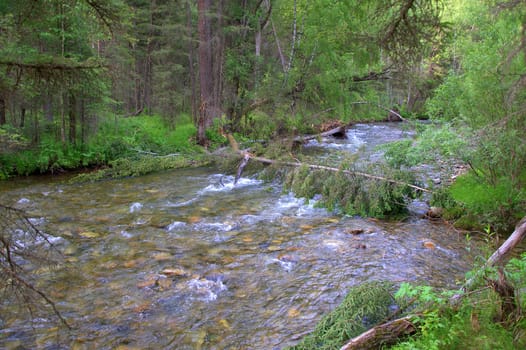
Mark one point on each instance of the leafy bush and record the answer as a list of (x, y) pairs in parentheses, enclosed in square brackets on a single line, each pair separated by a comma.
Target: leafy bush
[(471, 324), (500, 206)]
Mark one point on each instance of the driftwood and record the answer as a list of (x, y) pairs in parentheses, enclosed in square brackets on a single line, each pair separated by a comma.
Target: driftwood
[(339, 132), (382, 335)]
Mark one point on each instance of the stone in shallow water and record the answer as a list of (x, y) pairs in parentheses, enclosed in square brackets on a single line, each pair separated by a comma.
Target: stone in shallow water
[(429, 245), (174, 272), (293, 313), (162, 256), (89, 234), (355, 231)]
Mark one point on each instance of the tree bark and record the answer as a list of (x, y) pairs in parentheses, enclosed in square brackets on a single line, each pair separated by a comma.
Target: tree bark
[(382, 335), (500, 257), (206, 84), (2, 111), (191, 70), (72, 113)]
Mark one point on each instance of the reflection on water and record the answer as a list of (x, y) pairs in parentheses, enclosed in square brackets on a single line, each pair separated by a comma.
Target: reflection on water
[(186, 260)]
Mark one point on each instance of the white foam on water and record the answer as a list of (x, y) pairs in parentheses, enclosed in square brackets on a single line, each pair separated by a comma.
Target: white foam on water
[(126, 234), (216, 226), (135, 207), (224, 183), (289, 201), (206, 290), (285, 265), (175, 225)]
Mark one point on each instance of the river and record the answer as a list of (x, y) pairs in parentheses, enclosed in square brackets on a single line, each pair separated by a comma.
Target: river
[(185, 260)]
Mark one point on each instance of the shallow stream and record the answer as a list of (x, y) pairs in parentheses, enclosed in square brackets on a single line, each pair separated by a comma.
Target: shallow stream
[(185, 260)]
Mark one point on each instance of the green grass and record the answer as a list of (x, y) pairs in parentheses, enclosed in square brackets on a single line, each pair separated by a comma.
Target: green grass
[(115, 140)]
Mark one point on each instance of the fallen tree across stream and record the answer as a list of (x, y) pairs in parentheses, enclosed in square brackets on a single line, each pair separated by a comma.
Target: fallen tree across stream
[(247, 156)]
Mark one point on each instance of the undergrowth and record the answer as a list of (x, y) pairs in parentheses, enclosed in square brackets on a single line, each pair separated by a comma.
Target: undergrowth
[(473, 204), (479, 320), (364, 306), (116, 142)]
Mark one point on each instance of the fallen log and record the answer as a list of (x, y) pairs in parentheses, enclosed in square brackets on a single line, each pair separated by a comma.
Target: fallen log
[(338, 132), (501, 256), (385, 334), (348, 172)]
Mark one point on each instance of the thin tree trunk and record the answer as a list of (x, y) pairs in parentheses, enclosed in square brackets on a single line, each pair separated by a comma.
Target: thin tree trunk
[(2, 111), (217, 63), (83, 125), (62, 119), (48, 107), (263, 160), (206, 84), (382, 335), (501, 256), (22, 117), (278, 45), (191, 55), (294, 37), (35, 139), (72, 112)]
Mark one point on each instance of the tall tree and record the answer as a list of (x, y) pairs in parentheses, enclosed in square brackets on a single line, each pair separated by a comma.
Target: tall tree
[(206, 81)]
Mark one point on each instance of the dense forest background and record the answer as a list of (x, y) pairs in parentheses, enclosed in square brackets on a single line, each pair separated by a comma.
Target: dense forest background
[(76, 74)]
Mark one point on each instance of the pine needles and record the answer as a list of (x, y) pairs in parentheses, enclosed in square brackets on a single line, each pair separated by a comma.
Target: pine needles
[(364, 306)]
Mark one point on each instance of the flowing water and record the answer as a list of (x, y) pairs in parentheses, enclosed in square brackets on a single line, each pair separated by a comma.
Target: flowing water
[(185, 260)]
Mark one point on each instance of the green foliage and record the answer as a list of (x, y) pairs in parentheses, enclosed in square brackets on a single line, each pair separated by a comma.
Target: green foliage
[(470, 324), (363, 306), (129, 138), (126, 167), (433, 142), (484, 92), (353, 194), (500, 206)]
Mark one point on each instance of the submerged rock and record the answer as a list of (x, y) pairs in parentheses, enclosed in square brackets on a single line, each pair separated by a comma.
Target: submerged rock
[(434, 212)]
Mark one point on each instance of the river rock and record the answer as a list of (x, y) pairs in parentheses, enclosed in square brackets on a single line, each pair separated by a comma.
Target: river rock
[(177, 272), (355, 231), (434, 212), (429, 245)]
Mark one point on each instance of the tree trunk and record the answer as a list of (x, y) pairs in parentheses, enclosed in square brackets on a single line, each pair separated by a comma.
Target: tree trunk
[(2, 111), (22, 117), (191, 70), (48, 107), (206, 84), (217, 50), (382, 335), (72, 113), (501, 256)]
